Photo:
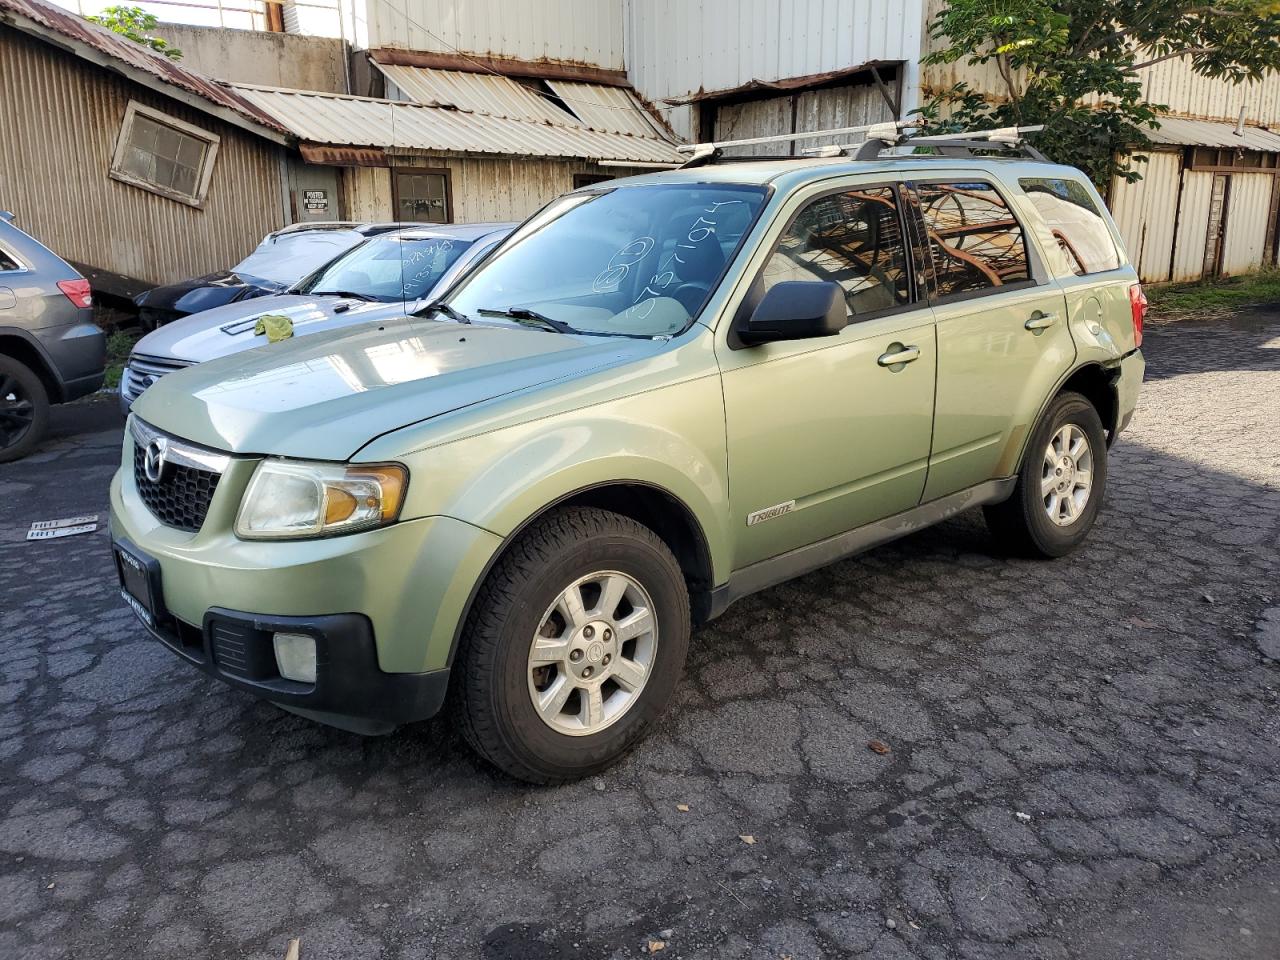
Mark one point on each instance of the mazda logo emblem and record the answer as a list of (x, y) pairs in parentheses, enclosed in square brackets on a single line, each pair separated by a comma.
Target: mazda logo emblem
[(153, 459)]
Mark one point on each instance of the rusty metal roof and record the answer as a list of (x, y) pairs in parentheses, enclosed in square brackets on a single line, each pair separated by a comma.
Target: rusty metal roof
[(596, 106), (1182, 131), (340, 120), (115, 52)]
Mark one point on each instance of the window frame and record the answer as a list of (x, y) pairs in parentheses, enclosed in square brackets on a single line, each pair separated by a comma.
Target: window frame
[(1037, 275), (211, 140), (397, 172), (19, 265), (1071, 253), (908, 241)]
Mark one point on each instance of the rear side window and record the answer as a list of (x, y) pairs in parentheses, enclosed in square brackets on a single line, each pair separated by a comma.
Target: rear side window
[(7, 262), (853, 238), (1076, 223), (975, 243)]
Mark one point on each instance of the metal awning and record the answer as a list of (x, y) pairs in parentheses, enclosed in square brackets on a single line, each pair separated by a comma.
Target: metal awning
[(595, 106), (1184, 132), (398, 127)]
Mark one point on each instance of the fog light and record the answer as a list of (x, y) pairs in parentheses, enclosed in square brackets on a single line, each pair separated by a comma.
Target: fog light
[(296, 656)]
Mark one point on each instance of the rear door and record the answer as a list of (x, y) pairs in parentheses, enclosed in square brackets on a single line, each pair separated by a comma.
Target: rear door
[(1003, 340)]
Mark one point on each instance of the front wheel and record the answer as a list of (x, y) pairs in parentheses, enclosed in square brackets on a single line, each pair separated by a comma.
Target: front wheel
[(573, 646), (1060, 485)]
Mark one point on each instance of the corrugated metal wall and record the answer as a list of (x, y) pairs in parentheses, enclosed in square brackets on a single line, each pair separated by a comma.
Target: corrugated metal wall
[(60, 118), (1144, 213), (1247, 210), (589, 31), (484, 190), (834, 107), (677, 47), (1193, 225)]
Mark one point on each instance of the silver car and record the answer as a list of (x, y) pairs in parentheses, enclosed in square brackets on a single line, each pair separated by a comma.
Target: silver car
[(50, 349), (384, 277)]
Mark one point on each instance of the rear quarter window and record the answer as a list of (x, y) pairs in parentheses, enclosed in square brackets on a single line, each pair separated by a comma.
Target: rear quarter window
[(6, 261), (1078, 226)]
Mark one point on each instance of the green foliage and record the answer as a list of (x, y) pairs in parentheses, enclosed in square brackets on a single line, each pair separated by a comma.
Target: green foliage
[(136, 24), (1210, 299), (1076, 67)]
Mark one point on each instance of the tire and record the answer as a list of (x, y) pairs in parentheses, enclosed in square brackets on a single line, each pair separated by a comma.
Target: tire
[(24, 409), (520, 603), (1022, 524)]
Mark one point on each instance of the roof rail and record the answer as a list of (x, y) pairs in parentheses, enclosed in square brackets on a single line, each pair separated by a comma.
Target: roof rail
[(877, 138)]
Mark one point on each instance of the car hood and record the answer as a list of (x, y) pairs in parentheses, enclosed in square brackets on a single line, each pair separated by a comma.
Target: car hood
[(325, 397), (202, 293), (229, 329)]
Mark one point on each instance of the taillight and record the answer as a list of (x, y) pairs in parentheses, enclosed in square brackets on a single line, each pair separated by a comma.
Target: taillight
[(77, 292), (1138, 307)]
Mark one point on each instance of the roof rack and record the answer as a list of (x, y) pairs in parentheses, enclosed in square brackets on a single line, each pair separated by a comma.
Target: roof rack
[(877, 138)]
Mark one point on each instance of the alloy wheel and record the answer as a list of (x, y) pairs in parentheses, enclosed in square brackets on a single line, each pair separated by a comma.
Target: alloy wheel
[(17, 411), (1066, 478), (593, 653)]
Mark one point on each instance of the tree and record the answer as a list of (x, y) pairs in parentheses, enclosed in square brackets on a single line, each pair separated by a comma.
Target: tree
[(136, 24), (1076, 67)]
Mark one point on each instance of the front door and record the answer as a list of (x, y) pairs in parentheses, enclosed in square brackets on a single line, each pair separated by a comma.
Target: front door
[(1003, 341), (828, 434)]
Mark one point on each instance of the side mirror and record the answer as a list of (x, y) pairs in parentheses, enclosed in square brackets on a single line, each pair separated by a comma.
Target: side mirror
[(797, 310)]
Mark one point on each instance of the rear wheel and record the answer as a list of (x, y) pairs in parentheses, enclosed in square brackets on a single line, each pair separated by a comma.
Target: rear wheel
[(573, 647), (24, 409), (1060, 486)]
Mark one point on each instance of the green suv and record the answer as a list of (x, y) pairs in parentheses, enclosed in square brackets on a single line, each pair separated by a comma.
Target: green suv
[(659, 395)]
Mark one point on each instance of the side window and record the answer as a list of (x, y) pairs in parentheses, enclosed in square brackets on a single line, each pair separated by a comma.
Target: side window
[(1075, 222), (854, 238), (975, 242), (7, 262)]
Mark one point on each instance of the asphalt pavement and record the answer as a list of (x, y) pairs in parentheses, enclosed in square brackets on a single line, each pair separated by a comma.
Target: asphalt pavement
[(1084, 755)]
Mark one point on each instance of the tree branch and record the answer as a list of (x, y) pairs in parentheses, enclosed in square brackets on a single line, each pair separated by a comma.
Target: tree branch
[(1186, 52)]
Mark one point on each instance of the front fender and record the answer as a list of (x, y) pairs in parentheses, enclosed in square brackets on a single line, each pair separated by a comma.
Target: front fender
[(671, 438)]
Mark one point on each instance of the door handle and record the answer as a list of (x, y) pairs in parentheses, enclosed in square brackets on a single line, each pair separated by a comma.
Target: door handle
[(1040, 320), (898, 354)]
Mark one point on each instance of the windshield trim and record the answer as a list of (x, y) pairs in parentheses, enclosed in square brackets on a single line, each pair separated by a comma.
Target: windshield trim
[(598, 190)]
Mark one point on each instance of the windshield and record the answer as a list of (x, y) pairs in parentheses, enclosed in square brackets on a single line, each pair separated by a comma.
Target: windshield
[(289, 258), (389, 268), (632, 261)]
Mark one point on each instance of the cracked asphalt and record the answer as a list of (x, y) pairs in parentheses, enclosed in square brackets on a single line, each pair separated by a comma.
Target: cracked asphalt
[(1084, 754)]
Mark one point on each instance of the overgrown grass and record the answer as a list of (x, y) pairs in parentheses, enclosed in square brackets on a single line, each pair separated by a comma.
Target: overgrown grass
[(119, 343), (1213, 298)]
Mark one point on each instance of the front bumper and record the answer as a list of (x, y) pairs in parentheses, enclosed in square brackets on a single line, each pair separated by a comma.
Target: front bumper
[(388, 602), (350, 692)]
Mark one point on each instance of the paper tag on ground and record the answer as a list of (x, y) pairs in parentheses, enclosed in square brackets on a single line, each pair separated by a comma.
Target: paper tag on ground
[(64, 522), (57, 532)]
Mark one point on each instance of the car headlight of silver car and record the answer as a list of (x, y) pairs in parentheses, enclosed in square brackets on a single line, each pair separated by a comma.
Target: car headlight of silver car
[(295, 499)]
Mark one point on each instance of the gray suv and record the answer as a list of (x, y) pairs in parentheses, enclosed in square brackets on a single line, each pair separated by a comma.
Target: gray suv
[(50, 349)]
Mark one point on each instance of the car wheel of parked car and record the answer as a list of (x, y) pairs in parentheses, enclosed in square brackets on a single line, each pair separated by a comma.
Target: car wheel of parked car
[(573, 646), (24, 409), (1060, 486)]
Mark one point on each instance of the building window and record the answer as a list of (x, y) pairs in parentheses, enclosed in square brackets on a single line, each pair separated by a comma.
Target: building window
[(975, 242), (423, 196), (590, 179), (164, 155), (854, 239), (1075, 222)]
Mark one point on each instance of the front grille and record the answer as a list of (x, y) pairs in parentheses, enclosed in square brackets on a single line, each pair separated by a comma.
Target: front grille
[(188, 478), (142, 371)]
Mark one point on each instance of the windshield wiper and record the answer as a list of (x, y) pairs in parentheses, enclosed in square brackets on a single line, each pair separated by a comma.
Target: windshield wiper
[(527, 316), (439, 307), (343, 293)]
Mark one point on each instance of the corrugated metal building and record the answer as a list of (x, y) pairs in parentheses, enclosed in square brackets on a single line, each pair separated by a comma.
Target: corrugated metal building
[(73, 94), (142, 172)]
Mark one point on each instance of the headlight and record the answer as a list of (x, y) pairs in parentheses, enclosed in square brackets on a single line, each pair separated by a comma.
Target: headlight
[(290, 499)]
